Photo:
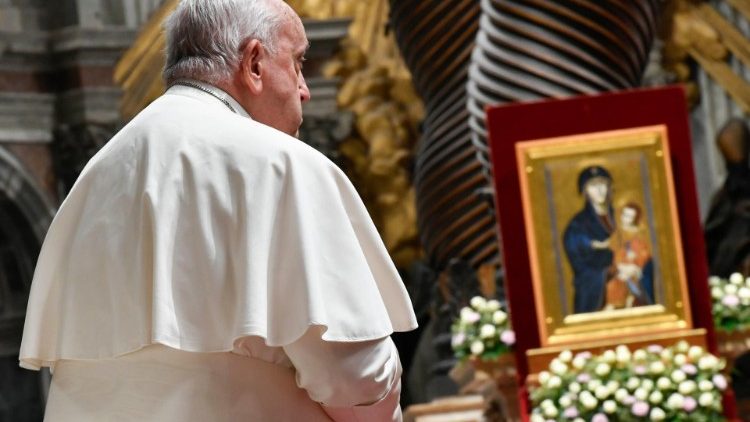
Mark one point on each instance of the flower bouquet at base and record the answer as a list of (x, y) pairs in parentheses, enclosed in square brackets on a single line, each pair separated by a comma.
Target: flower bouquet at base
[(730, 302), (483, 338), (730, 306), (482, 331), (678, 383)]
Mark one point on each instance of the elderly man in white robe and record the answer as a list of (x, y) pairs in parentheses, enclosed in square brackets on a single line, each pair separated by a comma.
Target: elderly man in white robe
[(207, 265)]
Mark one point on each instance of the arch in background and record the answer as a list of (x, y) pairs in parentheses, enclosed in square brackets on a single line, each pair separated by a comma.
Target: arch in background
[(25, 216)]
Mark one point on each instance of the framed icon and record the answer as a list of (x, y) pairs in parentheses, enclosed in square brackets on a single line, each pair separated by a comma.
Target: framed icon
[(604, 245)]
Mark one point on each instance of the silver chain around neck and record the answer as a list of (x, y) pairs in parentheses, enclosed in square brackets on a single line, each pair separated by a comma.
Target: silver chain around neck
[(207, 91)]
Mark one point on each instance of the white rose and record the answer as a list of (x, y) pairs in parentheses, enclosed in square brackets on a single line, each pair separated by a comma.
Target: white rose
[(621, 394), (744, 293), (623, 354), (565, 401), (667, 354), (641, 394), (558, 367), (537, 418), (550, 412), (612, 386), (593, 384), (468, 316), (676, 401), (492, 305), (730, 289), (579, 420), (588, 401), (687, 387), (609, 407), (546, 403), (656, 367), (663, 383), (647, 384), (554, 382), (487, 331), (633, 383), (736, 278), (499, 317), (682, 346), (574, 387), (602, 369), (622, 349), (566, 356), (706, 399), (639, 355), (544, 377), (609, 356), (579, 362), (478, 303), (656, 397), (696, 352), (678, 376), (657, 414), (477, 347), (714, 280), (708, 362), (601, 392), (717, 292), (705, 385), (680, 359), (464, 314)]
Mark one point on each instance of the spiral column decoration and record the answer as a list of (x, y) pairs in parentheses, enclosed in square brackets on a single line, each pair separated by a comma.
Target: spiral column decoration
[(466, 54), (436, 38), (534, 49)]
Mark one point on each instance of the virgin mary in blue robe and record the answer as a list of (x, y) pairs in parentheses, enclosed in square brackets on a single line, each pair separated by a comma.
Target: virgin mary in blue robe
[(590, 265)]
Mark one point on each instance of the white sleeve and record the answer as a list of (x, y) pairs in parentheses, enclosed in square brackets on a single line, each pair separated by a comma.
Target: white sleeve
[(353, 381)]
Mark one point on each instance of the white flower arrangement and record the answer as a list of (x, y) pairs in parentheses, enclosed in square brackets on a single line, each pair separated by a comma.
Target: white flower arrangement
[(679, 383), (730, 299), (482, 331)]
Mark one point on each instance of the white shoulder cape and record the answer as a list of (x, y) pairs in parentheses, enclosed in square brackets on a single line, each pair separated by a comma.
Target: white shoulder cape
[(195, 226)]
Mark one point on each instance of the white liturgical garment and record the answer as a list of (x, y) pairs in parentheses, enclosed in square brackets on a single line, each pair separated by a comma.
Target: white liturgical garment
[(196, 229)]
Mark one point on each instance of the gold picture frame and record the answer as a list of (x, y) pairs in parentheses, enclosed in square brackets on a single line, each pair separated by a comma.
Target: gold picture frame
[(572, 230)]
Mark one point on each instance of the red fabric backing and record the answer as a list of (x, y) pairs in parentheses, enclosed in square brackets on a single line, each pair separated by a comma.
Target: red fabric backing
[(518, 122)]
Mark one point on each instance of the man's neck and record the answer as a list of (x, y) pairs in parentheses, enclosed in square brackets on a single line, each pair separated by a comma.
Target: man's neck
[(219, 92), (234, 93)]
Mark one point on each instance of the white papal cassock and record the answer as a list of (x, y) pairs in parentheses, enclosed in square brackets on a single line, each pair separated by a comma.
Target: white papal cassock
[(208, 267)]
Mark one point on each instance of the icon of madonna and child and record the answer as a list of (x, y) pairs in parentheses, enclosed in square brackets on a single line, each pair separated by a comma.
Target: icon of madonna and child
[(608, 249)]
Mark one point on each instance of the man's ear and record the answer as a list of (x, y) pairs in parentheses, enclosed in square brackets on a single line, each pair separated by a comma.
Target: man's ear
[(251, 66)]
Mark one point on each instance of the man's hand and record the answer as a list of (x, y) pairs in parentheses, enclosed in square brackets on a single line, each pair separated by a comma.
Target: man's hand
[(353, 381)]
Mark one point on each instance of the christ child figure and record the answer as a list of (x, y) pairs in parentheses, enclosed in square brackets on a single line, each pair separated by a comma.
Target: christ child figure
[(632, 281)]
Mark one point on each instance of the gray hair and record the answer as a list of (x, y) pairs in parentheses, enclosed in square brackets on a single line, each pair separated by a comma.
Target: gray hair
[(204, 37)]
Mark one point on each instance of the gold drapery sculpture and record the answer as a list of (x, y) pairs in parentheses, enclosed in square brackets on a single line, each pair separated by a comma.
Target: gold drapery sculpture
[(138, 72), (697, 30), (377, 89)]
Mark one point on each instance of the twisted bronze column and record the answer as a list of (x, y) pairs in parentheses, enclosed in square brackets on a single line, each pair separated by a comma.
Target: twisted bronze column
[(466, 54), (437, 38), (534, 49)]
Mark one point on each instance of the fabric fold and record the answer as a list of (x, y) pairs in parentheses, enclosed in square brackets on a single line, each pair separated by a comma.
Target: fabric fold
[(227, 229)]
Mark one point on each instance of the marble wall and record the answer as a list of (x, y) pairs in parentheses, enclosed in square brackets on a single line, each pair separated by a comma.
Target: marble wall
[(58, 104)]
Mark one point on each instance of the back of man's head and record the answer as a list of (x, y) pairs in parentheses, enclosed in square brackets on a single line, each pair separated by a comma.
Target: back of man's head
[(204, 37)]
